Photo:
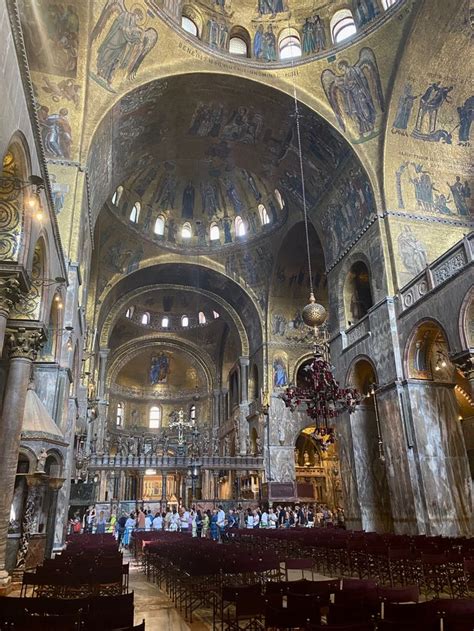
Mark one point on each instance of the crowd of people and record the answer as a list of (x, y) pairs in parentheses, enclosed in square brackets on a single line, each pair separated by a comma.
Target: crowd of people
[(215, 523)]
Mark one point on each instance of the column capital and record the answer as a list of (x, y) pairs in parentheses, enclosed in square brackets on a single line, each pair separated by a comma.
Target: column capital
[(244, 361), (25, 343), (10, 293)]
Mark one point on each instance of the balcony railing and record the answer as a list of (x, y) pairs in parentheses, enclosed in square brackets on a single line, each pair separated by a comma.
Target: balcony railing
[(438, 272), (108, 461), (357, 331)]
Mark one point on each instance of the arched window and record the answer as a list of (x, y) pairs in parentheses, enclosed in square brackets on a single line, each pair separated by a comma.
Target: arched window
[(237, 46), (129, 312), (189, 26), (165, 322), (184, 320), (279, 199), (388, 3), (135, 212), (214, 233), (119, 415), (290, 44), (117, 195), (154, 418), (216, 315), (160, 225), (342, 26), (357, 293), (145, 318), (192, 413), (202, 318), (239, 227), (262, 211), (186, 231)]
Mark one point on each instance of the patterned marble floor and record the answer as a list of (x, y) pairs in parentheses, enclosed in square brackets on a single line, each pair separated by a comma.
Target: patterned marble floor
[(156, 608)]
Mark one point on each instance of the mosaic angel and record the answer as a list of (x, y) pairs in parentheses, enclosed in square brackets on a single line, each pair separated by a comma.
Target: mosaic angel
[(126, 43), (356, 92)]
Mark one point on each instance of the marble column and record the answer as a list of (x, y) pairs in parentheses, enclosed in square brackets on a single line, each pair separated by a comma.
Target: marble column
[(347, 465), (224, 405), (29, 525), (54, 485), (102, 485), (62, 504), (122, 486), (23, 347), (206, 486), (163, 491), (216, 485), (103, 356), (102, 402), (9, 294), (216, 408), (140, 482), (244, 379)]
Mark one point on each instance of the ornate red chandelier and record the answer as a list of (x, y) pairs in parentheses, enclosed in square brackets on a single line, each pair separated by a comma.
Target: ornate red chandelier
[(320, 393)]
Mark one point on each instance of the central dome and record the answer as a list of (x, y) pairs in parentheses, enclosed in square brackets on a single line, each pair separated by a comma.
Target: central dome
[(227, 173)]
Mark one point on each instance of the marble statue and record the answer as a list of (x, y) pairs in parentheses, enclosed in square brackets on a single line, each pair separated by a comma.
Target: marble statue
[(41, 460)]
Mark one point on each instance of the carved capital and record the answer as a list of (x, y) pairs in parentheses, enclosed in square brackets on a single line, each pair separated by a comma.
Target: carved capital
[(10, 293), (25, 343)]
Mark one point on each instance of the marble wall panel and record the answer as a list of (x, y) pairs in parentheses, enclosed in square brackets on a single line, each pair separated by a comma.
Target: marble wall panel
[(405, 498), (443, 462), (373, 491), (352, 510)]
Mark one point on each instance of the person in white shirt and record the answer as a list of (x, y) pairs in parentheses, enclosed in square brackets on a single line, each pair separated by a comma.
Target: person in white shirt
[(272, 519), (158, 522), (174, 521), (256, 518), (250, 519), (185, 520), (264, 520)]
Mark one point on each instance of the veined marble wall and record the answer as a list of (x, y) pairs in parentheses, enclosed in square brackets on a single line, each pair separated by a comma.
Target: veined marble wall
[(442, 460)]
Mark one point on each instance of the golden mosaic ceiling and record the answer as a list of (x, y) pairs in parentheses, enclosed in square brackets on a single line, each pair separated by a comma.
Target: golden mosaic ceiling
[(205, 149)]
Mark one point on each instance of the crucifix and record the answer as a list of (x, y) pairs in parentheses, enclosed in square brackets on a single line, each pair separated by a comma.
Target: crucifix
[(178, 421)]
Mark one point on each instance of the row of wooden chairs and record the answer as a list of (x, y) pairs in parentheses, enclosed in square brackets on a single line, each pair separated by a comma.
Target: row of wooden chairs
[(448, 572), (103, 613)]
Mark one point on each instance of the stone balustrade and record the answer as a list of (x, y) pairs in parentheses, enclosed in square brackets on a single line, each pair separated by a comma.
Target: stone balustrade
[(107, 461), (357, 331), (438, 272)]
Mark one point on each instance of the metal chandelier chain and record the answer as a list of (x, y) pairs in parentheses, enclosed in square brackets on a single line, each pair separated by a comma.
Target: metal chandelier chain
[(303, 188)]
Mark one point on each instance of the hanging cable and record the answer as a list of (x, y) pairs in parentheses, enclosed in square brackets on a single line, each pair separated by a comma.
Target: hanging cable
[(303, 188)]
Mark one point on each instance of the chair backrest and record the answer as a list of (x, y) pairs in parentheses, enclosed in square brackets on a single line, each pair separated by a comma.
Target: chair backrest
[(455, 606), (364, 626), (408, 594), (411, 612), (47, 623), (112, 611), (357, 584), (299, 564)]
